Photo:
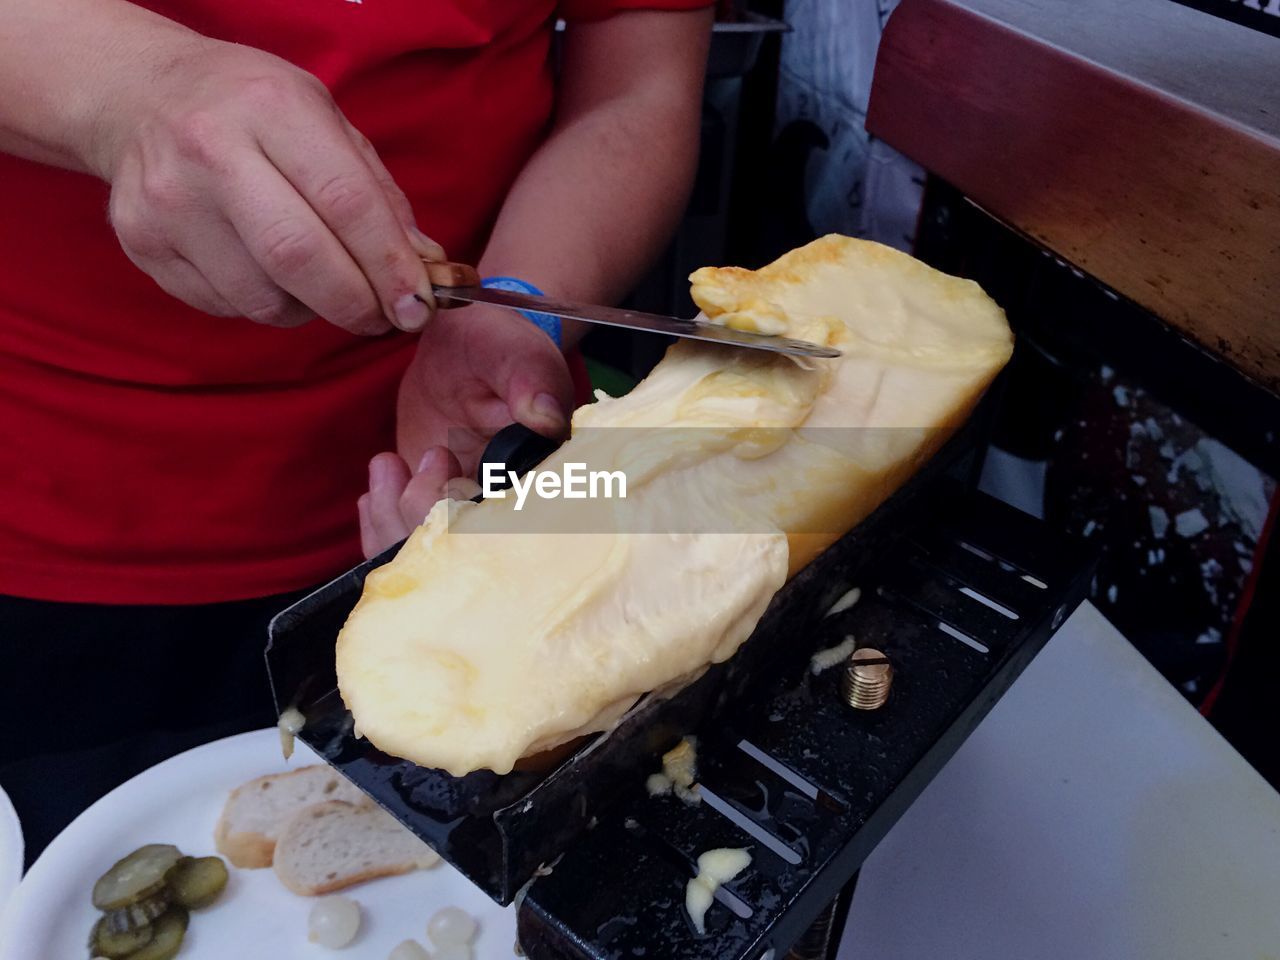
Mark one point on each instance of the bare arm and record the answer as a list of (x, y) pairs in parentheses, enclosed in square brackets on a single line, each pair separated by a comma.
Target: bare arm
[(59, 63), (601, 198), (587, 215), (236, 182)]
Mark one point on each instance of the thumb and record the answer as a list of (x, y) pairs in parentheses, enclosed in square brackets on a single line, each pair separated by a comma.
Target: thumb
[(535, 384)]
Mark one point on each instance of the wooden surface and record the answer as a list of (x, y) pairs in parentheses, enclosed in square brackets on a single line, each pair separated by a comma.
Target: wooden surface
[(1139, 140)]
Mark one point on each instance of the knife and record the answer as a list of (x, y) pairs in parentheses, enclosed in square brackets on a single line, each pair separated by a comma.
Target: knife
[(457, 284)]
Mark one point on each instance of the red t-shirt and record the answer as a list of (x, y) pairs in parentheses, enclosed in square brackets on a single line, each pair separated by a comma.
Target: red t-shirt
[(153, 454)]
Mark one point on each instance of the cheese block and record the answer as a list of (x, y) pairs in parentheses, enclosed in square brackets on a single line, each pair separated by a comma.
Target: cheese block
[(496, 633)]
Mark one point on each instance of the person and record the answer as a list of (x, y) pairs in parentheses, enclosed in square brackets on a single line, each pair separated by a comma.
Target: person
[(187, 185)]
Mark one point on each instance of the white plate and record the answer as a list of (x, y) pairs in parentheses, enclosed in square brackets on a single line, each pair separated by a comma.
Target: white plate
[(178, 802), (10, 850)]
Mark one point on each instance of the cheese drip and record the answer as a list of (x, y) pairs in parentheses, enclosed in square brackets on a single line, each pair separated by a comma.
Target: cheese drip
[(495, 634)]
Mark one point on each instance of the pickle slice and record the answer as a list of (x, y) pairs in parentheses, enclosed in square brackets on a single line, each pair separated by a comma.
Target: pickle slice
[(137, 914), (196, 883), (136, 877), (169, 929), (116, 944)]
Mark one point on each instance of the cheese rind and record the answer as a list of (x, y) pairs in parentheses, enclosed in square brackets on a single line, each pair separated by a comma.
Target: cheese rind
[(496, 633)]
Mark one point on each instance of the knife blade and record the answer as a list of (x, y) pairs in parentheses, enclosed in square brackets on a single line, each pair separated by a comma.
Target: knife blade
[(633, 320)]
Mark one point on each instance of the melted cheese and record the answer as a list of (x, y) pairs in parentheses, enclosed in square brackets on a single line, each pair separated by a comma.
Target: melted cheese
[(290, 725), (824, 660), (715, 867), (495, 633)]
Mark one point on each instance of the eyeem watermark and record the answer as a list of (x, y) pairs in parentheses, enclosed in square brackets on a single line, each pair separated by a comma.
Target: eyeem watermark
[(573, 482)]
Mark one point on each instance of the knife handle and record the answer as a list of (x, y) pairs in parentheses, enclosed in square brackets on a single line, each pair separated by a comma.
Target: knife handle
[(443, 273)]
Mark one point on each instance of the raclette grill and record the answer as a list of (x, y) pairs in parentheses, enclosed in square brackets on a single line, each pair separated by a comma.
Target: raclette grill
[(959, 593)]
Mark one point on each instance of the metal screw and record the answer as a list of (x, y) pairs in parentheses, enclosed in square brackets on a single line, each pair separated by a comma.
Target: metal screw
[(867, 678), (1059, 615)]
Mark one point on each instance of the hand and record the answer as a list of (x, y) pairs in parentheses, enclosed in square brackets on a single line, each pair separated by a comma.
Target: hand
[(239, 186), (477, 369)]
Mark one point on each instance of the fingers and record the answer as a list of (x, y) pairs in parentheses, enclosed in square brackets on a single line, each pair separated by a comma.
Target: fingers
[(397, 502), (299, 255), (427, 249), (381, 524), (437, 470), (369, 542), (333, 177), (148, 244), (249, 243), (180, 279), (424, 246), (249, 192), (239, 280)]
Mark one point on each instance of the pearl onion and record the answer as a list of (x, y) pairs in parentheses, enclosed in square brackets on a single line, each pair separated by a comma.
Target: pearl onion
[(454, 951), (451, 926), (409, 950), (334, 922)]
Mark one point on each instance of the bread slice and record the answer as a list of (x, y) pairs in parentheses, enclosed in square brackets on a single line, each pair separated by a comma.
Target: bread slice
[(334, 845), (256, 812)]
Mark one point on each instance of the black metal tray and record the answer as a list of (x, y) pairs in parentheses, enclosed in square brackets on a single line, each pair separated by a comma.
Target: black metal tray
[(498, 830)]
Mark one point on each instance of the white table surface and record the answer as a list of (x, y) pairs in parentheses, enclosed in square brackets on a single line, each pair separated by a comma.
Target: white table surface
[(11, 847), (1092, 815)]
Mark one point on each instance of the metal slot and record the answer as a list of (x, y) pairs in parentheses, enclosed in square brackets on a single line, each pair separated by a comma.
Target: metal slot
[(939, 601), (976, 551), (688, 866), (963, 637), (786, 773), (986, 579), (1004, 563), (726, 896), (749, 826), (988, 602)]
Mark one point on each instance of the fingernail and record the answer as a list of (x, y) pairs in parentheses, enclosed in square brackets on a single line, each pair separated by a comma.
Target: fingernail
[(548, 408), (377, 473), (430, 459), (425, 247), (411, 313)]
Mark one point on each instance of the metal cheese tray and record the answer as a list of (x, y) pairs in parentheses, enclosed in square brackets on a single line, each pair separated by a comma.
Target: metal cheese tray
[(775, 744)]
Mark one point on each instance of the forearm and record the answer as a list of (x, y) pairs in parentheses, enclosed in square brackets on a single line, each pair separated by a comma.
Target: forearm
[(590, 210), (600, 199), (64, 66)]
